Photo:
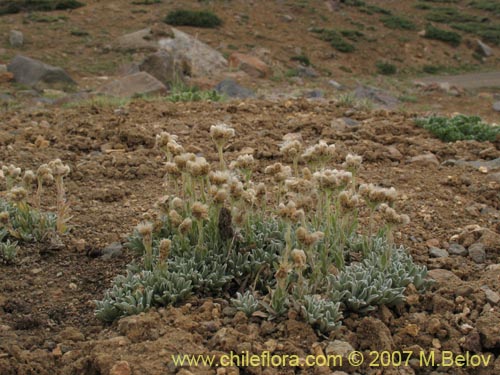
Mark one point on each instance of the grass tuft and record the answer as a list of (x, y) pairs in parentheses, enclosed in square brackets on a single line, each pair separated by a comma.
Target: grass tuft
[(397, 22), (450, 37), (195, 18)]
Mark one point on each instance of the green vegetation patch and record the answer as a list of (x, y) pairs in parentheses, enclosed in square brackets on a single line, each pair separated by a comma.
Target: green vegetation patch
[(449, 15), (487, 5), (460, 128), (303, 59), (450, 37), (486, 31), (336, 40), (11, 7), (196, 18), (397, 22), (386, 68)]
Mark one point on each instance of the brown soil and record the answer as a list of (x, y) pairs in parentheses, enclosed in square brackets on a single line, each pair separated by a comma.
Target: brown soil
[(47, 324)]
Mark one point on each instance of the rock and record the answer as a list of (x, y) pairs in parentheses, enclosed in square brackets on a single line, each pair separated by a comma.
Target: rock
[(436, 252), (339, 347), (457, 249), (232, 89), (488, 325), (473, 342), (335, 84), (374, 334), (251, 65), (37, 74), (16, 38), (120, 368), (378, 96), (141, 40), (70, 334), (496, 106), (443, 276), (477, 252), (163, 67), (196, 58), (140, 83), (314, 94), (484, 49), (492, 297), (344, 124), (306, 72), (425, 160), (113, 250)]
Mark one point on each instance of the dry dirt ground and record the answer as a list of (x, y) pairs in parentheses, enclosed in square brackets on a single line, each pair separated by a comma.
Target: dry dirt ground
[(47, 324)]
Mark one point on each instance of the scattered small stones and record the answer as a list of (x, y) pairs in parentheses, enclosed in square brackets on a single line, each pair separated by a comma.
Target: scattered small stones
[(477, 252), (335, 84), (436, 252), (16, 38)]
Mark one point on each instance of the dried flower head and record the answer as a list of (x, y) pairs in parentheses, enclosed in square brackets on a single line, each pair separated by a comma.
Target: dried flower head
[(235, 187), (4, 217), (243, 162), (198, 167), (200, 211), (145, 228), (220, 195), (290, 212), (182, 160), (299, 186), (348, 200), (320, 152), (375, 194), (172, 169), (185, 226), (11, 171), (59, 169), (299, 258), (177, 204), (174, 148), (221, 133), (249, 197), (29, 177), (279, 172), (175, 218), (164, 249), (392, 217), (308, 239), (18, 194), (332, 179), (162, 140), (162, 204), (218, 177), (291, 149), (352, 162)]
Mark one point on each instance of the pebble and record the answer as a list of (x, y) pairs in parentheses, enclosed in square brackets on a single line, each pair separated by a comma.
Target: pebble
[(491, 296), (457, 249), (120, 368), (436, 252), (477, 252), (339, 347)]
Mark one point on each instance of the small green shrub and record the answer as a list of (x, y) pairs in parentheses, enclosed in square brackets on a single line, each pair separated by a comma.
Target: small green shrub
[(487, 5), (182, 93), (303, 59), (386, 68), (16, 6), (449, 15), (460, 128), (353, 35), (335, 39), (450, 37), (423, 6), (488, 32), (397, 22), (194, 18), (432, 69)]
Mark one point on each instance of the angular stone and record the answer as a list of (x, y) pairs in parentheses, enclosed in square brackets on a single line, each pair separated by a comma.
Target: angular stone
[(425, 159), (477, 252), (251, 65), (492, 297), (140, 83), (378, 96), (484, 49), (436, 252), (141, 40), (196, 58), (232, 89), (33, 72), (457, 249), (496, 106), (16, 38)]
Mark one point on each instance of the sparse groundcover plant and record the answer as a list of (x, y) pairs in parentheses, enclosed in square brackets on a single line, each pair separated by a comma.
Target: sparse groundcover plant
[(487, 5), (450, 37), (303, 59), (288, 243), (386, 68), (489, 32), (21, 216), (183, 93), (450, 15), (459, 128), (16, 6), (196, 18), (335, 39), (397, 22)]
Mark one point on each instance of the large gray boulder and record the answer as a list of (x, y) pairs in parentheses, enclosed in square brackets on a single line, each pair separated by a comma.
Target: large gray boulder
[(196, 58), (141, 40), (163, 67), (135, 84), (35, 73)]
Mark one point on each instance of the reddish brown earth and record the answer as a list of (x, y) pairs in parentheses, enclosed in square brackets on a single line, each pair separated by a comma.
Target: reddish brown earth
[(47, 324)]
